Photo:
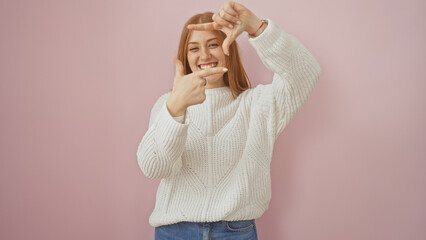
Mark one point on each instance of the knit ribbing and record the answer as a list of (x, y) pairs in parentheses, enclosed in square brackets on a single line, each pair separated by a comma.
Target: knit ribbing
[(216, 165)]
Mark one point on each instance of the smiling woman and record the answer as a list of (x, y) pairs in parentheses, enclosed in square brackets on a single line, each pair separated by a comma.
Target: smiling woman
[(236, 77), (210, 139), (205, 52)]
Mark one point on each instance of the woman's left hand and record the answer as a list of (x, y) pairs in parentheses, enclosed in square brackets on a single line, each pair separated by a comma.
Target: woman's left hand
[(232, 19)]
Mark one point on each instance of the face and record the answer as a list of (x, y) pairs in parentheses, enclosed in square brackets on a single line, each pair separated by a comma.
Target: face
[(205, 51)]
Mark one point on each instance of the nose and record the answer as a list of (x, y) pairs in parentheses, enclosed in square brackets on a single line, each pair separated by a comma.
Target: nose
[(205, 53)]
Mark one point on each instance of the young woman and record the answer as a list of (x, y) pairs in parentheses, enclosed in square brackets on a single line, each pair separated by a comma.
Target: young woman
[(210, 140)]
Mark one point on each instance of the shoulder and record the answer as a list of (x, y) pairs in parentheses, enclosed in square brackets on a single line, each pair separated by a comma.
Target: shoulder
[(255, 92), (253, 96)]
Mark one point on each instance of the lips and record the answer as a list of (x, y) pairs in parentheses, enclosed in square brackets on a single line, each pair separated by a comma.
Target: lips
[(207, 65)]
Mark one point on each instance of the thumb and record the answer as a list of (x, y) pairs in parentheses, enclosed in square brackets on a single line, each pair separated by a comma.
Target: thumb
[(226, 44), (179, 67)]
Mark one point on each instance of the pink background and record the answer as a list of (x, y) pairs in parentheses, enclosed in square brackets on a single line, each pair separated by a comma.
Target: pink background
[(79, 78)]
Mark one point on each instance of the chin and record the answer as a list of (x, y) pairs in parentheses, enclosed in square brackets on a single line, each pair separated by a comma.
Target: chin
[(214, 78)]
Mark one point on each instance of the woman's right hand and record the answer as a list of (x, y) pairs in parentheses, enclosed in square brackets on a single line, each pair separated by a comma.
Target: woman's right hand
[(188, 89)]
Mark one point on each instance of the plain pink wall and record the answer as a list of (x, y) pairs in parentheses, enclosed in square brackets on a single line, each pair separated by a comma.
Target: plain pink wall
[(79, 78)]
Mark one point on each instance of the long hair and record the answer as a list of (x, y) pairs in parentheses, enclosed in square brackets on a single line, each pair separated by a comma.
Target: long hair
[(236, 77)]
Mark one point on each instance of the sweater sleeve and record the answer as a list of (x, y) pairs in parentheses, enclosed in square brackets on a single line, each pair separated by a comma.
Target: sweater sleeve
[(295, 74), (160, 150)]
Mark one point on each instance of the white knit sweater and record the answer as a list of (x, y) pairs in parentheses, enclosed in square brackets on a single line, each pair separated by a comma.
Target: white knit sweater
[(216, 165)]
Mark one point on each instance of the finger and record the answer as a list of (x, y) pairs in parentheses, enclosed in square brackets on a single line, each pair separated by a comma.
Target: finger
[(228, 17), (221, 21), (210, 71), (227, 43), (203, 27), (236, 7), (179, 67), (203, 81), (229, 8)]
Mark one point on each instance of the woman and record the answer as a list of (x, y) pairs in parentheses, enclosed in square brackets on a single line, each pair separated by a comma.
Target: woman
[(210, 139)]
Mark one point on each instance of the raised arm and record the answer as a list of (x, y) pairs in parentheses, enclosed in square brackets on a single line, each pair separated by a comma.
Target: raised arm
[(295, 69), (295, 74)]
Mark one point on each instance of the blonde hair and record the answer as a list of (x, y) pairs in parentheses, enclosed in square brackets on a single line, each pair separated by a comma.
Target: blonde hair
[(236, 77)]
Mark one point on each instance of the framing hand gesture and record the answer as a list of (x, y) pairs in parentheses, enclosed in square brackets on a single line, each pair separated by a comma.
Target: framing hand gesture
[(232, 19)]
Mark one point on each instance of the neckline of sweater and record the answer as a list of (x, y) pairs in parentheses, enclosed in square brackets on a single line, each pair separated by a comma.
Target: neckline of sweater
[(218, 90)]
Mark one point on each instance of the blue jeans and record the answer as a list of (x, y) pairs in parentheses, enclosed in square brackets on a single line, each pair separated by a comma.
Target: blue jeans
[(223, 230)]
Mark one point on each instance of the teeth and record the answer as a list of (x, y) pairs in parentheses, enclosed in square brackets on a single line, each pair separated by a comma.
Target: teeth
[(208, 66)]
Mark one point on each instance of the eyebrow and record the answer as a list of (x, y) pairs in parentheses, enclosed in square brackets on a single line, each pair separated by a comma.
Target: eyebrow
[(207, 41)]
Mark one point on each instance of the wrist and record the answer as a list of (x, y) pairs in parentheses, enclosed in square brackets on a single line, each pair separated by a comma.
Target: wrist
[(174, 109), (256, 26), (253, 23), (260, 30)]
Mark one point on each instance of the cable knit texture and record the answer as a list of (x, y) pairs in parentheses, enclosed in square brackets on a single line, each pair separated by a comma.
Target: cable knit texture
[(215, 164)]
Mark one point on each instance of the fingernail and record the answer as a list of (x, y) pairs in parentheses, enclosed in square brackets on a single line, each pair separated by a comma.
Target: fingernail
[(225, 69), (230, 25), (238, 22)]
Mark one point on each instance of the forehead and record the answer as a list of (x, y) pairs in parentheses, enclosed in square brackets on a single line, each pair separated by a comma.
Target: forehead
[(202, 36)]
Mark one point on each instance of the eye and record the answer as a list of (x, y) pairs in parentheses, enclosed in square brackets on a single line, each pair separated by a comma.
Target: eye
[(214, 45), (193, 49)]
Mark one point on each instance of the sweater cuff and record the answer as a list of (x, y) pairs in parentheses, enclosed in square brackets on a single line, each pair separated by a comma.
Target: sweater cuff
[(270, 35), (180, 119), (168, 128), (273, 44)]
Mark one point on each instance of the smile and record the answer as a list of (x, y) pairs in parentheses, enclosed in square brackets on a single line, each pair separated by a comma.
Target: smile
[(207, 65)]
